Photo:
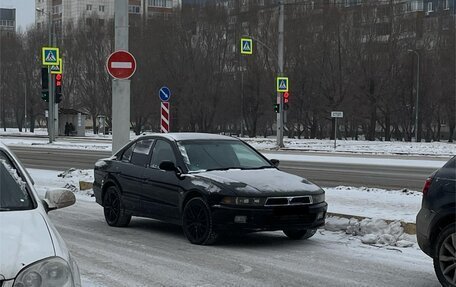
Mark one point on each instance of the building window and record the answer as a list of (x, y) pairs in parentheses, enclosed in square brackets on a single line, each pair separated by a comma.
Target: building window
[(89, 7), (101, 8), (446, 5), (57, 9), (134, 9), (161, 3), (429, 7)]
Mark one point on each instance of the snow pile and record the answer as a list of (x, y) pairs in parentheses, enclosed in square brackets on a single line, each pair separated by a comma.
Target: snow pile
[(73, 178), (372, 231), (374, 202)]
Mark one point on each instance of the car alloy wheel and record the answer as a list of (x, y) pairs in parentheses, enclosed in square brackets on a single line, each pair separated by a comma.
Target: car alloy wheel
[(445, 259), (113, 211), (297, 234), (197, 222)]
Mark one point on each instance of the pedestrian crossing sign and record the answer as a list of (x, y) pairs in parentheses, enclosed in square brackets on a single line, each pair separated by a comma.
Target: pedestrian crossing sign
[(57, 69), (246, 46), (282, 84), (50, 56)]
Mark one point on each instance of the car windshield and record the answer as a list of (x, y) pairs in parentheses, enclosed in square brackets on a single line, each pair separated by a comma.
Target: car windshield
[(206, 155), (13, 190)]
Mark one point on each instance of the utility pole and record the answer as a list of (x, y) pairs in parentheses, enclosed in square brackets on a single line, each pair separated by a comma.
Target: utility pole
[(51, 113), (120, 88), (280, 115), (417, 91)]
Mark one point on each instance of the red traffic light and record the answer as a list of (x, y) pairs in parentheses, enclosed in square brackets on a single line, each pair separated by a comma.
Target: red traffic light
[(286, 95), (58, 77)]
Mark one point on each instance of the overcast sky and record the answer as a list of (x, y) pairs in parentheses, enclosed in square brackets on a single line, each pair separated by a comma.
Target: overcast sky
[(25, 11)]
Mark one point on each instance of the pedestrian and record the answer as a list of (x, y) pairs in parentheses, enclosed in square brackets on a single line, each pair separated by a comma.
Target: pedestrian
[(67, 129)]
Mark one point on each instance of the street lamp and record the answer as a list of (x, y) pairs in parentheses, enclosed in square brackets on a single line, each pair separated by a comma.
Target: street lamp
[(417, 91), (51, 114)]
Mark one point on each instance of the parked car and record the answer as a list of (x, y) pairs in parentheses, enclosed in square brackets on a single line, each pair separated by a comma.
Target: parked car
[(32, 253), (208, 184), (436, 222)]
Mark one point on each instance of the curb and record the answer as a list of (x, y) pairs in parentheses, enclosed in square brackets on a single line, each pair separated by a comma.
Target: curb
[(409, 227)]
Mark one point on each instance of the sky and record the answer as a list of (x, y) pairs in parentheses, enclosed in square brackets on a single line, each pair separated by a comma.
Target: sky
[(25, 11)]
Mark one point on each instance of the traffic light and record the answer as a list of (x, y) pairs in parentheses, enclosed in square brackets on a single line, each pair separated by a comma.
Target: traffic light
[(58, 88), (44, 84), (286, 107), (286, 95), (277, 108)]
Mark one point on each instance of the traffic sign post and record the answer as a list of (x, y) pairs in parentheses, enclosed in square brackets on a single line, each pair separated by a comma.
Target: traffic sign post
[(164, 121), (164, 94), (336, 115), (121, 65), (246, 46)]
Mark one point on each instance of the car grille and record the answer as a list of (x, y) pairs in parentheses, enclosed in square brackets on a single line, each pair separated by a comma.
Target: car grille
[(285, 201)]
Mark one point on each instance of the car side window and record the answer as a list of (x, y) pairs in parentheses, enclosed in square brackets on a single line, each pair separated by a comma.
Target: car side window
[(140, 155), (163, 151), (126, 156)]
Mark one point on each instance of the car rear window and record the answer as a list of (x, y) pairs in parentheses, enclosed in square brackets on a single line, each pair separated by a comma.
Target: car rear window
[(451, 163)]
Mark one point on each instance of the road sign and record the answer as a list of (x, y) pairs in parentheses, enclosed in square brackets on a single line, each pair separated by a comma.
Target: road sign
[(282, 84), (164, 122), (164, 94), (246, 46), (50, 56), (57, 69), (337, 114), (121, 65)]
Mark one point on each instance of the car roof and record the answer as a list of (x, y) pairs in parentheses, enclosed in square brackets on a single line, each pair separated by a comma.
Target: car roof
[(194, 136)]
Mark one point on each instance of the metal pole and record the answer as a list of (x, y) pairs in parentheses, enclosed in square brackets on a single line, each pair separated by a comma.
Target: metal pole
[(242, 99), (120, 88), (51, 129), (335, 133), (280, 73), (417, 94), (25, 107)]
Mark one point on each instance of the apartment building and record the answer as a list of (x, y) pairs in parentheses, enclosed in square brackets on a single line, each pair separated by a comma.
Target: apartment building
[(7, 20)]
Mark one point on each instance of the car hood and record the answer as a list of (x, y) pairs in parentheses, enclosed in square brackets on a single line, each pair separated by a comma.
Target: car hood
[(264, 182), (24, 239)]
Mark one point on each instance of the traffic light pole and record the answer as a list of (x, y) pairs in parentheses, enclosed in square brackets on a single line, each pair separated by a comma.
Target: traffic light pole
[(280, 115), (51, 113)]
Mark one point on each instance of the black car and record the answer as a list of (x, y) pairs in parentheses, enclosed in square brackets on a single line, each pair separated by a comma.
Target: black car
[(209, 184), (436, 222)]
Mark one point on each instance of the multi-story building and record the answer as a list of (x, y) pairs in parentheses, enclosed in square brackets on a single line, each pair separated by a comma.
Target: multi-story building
[(7, 20), (66, 11)]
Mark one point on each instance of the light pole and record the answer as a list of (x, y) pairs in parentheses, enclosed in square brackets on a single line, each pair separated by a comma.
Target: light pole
[(417, 91), (51, 113), (280, 115)]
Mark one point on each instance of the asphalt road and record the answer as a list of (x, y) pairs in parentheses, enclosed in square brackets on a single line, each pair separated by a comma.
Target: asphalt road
[(324, 174), (151, 253)]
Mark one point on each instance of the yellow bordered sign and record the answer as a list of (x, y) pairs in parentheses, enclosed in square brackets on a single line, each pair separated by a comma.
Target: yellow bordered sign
[(282, 84), (57, 69), (50, 56), (246, 46)]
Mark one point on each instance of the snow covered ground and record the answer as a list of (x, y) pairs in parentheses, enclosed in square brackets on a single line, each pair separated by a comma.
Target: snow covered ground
[(443, 149)]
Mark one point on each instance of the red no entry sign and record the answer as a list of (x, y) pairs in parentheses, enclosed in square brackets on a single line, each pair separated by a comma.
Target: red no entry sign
[(121, 65)]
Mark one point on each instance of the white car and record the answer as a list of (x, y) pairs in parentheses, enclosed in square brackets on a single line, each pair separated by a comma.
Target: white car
[(32, 252)]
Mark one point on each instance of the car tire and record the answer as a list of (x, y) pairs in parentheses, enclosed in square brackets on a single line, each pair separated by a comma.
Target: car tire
[(297, 234), (197, 222), (444, 257), (113, 208)]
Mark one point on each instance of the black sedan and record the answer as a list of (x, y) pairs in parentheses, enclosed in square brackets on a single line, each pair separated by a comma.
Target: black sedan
[(209, 184)]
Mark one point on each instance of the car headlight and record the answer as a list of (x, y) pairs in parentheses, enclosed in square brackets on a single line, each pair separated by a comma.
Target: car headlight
[(246, 201), (50, 272), (318, 198)]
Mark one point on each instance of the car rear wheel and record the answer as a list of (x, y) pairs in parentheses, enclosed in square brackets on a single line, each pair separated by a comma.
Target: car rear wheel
[(297, 234), (197, 222), (114, 211), (445, 256)]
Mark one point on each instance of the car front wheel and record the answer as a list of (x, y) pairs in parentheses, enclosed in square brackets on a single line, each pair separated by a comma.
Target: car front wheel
[(197, 222), (113, 208), (297, 234), (445, 256)]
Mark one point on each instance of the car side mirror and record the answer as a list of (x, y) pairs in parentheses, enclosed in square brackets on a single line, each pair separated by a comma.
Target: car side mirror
[(275, 162), (168, 166), (58, 198)]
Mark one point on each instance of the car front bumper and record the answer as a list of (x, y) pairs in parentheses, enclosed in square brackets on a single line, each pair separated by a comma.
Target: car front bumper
[(269, 218)]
